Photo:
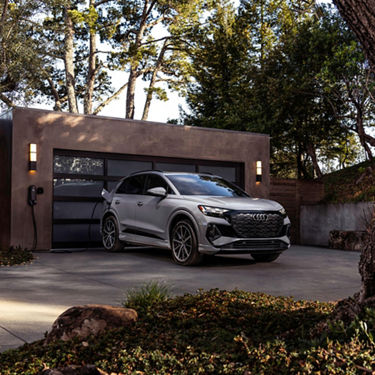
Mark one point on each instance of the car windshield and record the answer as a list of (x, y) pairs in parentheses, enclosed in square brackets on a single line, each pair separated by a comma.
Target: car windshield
[(194, 184)]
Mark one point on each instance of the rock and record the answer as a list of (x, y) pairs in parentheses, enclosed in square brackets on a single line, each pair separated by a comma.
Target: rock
[(83, 321), (347, 240)]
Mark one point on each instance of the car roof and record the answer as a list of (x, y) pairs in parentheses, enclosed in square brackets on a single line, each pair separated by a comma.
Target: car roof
[(167, 173)]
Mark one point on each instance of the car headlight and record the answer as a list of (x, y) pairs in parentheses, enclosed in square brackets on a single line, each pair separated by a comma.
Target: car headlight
[(282, 212), (213, 211)]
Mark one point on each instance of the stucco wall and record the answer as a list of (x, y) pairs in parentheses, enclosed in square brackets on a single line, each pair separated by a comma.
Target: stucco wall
[(5, 178), (50, 130), (318, 220)]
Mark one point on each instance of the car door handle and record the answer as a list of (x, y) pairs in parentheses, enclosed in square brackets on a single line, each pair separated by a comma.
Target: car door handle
[(140, 204), (117, 202)]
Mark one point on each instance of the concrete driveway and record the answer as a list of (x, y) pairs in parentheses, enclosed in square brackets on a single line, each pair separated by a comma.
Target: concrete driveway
[(32, 296)]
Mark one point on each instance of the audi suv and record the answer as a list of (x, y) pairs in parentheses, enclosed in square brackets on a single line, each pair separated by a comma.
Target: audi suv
[(192, 214)]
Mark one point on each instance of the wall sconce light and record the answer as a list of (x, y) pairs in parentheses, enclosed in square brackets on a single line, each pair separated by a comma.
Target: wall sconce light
[(258, 171), (32, 156)]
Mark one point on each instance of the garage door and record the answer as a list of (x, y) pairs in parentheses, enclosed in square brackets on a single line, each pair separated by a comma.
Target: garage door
[(79, 178)]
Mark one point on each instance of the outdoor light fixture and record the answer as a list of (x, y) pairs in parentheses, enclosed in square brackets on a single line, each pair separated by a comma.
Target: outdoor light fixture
[(258, 171), (32, 156)]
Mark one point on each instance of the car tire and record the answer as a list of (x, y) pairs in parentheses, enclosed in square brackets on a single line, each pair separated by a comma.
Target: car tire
[(264, 258), (110, 234), (184, 244)]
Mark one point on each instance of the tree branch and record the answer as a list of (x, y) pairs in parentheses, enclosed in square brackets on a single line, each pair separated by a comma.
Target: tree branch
[(108, 100), (6, 100)]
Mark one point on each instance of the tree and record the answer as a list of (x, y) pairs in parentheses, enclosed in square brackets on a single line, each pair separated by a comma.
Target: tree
[(18, 52), (73, 73), (259, 69), (136, 48), (360, 17)]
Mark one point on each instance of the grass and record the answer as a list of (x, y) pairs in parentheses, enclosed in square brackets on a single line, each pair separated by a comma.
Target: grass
[(143, 299), (217, 332), (15, 255), (343, 186)]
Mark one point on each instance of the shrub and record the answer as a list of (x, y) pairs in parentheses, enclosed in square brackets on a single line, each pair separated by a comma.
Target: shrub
[(15, 255), (145, 297), (216, 332)]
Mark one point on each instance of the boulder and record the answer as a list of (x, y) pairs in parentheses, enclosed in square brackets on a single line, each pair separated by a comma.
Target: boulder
[(347, 240), (83, 321)]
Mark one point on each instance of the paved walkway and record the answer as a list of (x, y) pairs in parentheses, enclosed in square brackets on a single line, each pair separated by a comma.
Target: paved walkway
[(32, 296)]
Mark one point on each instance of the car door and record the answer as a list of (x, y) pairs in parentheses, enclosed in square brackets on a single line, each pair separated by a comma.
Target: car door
[(128, 194), (152, 212)]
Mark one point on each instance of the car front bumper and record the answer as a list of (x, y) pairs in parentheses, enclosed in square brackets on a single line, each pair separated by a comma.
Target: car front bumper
[(231, 244)]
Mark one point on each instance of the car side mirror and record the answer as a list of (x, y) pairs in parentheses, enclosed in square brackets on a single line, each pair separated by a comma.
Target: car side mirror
[(107, 196), (157, 192)]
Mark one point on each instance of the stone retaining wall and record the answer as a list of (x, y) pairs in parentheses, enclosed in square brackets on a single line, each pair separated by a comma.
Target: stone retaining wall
[(317, 221)]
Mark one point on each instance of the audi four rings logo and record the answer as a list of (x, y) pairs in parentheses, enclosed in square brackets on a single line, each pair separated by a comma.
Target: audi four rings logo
[(259, 217)]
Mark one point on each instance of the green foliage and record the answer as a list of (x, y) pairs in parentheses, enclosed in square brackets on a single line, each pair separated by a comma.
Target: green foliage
[(144, 298), (352, 184), (15, 255), (263, 68), (217, 332), (19, 53)]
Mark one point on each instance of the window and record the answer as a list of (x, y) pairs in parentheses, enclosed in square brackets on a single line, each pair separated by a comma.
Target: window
[(174, 167), (132, 185), (125, 167), (188, 184), (78, 165), (76, 187), (157, 181), (229, 173)]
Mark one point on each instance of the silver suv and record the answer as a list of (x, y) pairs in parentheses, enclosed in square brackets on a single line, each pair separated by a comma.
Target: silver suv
[(192, 214)]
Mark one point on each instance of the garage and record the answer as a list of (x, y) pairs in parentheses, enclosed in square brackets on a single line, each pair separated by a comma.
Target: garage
[(66, 159)]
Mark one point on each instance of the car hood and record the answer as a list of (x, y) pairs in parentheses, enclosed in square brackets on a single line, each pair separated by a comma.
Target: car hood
[(232, 203)]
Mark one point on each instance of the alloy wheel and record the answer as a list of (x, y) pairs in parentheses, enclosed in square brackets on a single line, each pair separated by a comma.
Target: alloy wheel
[(182, 242), (109, 233)]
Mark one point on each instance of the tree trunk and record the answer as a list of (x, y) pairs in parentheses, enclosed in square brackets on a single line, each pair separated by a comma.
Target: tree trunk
[(361, 132), (133, 75), (360, 16), (158, 65), (367, 264), (312, 153), (87, 100), (130, 94), (69, 62)]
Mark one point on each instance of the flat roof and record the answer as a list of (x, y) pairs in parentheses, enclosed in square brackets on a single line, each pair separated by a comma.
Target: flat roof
[(137, 121)]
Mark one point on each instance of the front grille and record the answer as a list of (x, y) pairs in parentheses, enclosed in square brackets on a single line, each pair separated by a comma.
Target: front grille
[(257, 224)]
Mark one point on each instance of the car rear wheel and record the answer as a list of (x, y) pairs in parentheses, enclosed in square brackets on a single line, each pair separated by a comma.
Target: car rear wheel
[(184, 244), (110, 232), (264, 258)]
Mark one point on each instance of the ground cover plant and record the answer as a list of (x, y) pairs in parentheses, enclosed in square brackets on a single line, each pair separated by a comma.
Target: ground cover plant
[(217, 332), (352, 184), (15, 255)]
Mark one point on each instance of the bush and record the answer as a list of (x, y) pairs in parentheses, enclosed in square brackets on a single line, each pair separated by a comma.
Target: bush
[(15, 255), (217, 332), (144, 298)]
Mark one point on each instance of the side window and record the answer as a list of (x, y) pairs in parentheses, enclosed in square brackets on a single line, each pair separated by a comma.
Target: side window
[(157, 181), (132, 185)]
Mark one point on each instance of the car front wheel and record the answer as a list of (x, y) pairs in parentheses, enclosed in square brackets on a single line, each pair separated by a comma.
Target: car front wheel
[(264, 258), (111, 241), (184, 244)]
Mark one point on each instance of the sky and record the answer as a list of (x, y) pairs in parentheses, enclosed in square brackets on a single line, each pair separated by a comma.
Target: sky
[(160, 111)]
